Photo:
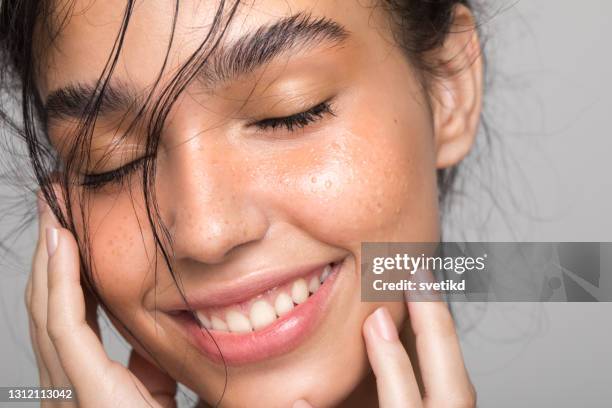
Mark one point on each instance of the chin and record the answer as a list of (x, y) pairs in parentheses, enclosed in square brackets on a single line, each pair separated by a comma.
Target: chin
[(324, 380)]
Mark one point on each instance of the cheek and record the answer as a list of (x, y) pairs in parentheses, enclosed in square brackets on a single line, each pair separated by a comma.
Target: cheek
[(370, 180), (122, 249)]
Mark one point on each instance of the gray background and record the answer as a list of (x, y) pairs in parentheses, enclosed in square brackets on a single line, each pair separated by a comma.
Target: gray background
[(543, 178)]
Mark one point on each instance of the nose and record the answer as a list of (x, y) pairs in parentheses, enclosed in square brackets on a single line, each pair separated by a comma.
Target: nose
[(209, 204)]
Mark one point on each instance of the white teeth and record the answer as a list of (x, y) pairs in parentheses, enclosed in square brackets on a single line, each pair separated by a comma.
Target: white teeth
[(299, 291), (237, 322), (283, 304), (325, 273), (262, 314), (314, 284), (205, 322), (218, 324)]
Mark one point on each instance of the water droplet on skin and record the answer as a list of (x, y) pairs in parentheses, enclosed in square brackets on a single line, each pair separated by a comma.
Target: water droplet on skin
[(328, 184)]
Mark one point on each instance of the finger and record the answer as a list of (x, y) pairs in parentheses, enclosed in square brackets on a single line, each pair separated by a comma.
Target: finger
[(54, 372), (445, 378), (160, 385), (74, 340), (395, 379), (91, 312), (43, 373)]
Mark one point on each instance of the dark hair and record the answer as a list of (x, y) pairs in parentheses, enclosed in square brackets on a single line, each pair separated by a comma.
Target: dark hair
[(422, 26)]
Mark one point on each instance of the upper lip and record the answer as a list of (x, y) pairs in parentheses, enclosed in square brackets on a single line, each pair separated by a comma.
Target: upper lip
[(241, 289)]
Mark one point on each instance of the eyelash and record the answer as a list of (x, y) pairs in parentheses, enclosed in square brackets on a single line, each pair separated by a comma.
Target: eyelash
[(291, 123), (117, 176), (298, 120)]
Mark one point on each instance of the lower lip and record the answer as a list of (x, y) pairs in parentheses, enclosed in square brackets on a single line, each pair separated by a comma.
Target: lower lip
[(282, 336)]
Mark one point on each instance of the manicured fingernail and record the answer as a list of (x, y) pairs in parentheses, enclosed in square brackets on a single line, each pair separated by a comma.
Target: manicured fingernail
[(383, 324), (51, 238)]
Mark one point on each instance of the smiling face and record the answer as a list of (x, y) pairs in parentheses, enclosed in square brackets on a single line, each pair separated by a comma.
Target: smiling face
[(266, 215)]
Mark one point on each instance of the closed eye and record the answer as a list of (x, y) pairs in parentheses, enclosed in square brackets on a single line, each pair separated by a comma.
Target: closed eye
[(94, 181), (298, 120)]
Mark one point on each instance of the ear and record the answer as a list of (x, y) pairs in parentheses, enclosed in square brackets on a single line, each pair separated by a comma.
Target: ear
[(457, 92)]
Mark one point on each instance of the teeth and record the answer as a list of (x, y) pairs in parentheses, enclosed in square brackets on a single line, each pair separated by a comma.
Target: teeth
[(325, 273), (314, 284), (205, 322), (218, 324), (299, 291), (283, 304), (262, 314), (237, 322)]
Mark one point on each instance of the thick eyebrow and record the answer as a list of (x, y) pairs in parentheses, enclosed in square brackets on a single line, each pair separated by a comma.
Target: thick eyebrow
[(294, 33)]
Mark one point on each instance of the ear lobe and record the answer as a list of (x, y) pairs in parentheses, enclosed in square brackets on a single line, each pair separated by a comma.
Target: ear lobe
[(457, 92)]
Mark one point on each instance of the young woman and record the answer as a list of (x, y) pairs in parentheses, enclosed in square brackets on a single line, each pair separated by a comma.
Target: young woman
[(208, 171)]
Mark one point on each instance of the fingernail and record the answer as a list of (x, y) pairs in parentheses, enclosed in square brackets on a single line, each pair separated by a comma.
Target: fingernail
[(51, 239), (383, 324)]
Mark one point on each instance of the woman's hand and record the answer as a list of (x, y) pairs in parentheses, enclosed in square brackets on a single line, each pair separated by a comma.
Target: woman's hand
[(65, 335), (440, 363)]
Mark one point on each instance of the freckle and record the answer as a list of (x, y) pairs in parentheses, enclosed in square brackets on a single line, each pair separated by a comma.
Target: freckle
[(328, 184)]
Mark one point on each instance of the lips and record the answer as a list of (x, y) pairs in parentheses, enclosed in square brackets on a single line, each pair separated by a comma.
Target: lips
[(268, 324)]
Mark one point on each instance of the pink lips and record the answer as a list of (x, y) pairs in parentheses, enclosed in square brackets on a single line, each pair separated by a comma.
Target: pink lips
[(280, 337)]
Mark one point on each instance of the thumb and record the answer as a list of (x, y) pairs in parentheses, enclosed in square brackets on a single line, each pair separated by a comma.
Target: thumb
[(160, 385)]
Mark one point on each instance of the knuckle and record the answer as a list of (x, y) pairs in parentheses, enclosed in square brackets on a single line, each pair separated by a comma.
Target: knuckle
[(466, 399), (54, 332), (38, 320), (27, 296)]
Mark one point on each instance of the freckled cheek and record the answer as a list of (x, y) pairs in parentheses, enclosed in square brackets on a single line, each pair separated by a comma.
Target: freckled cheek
[(119, 257), (366, 188)]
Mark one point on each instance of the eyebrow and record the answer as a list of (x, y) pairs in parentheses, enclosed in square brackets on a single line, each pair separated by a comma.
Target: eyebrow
[(294, 33)]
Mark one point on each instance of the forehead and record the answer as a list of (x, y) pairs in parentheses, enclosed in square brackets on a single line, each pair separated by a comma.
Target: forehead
[(93, 28)]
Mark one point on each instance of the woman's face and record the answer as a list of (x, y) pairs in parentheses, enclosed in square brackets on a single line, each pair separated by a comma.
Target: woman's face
[(255, 208)]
